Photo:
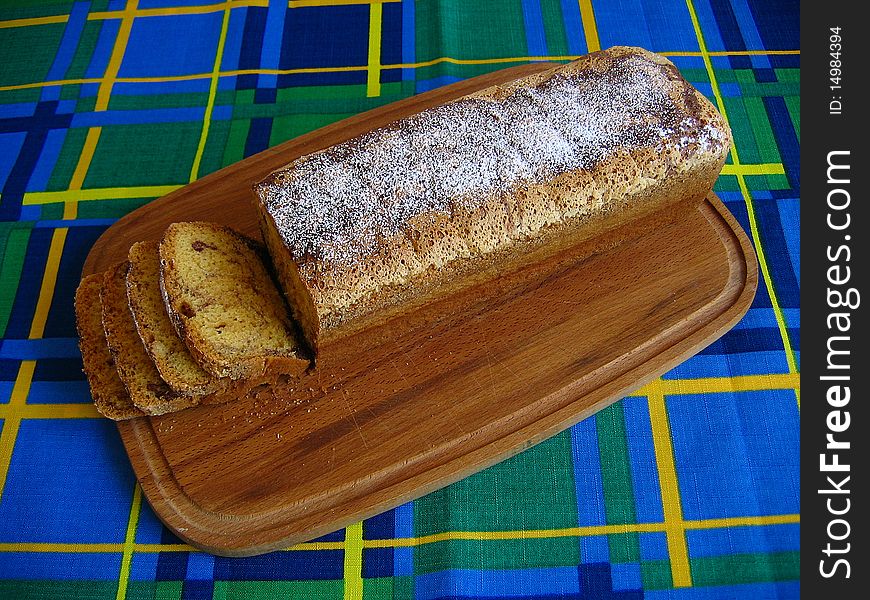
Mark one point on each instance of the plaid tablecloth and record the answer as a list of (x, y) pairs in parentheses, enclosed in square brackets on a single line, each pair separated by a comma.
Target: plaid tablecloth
[(687, 489)]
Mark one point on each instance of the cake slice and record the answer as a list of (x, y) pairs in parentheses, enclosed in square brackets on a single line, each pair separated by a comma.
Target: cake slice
[(108, 391), (166, 350), (146, 388), (224, 304)]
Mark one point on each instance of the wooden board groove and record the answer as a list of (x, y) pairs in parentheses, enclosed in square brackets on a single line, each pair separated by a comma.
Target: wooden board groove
[(424, 400)]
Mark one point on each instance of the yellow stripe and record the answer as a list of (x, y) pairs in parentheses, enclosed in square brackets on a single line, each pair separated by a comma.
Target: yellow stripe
[(168, 11), (90, 145), (212, 94), (353, 547), (55, 411), (59, 547), (584, 531), (17, 399), (590, 30), (743, 522), (765, 271), (218, 7), (373, 79), (41, 84), (33, 21), (129, 543), (759, 169), (474, 61), (769, 520), (427, 63), (70, 209), (118, 51), (293, 71), (527, 534), (306, 546), (164, 548), (304, 3), (145, 191), (733, 53), (49, 278), (95, 548), (747, 198), (104, 93), (714, 385), (671, 501), (21, 388)]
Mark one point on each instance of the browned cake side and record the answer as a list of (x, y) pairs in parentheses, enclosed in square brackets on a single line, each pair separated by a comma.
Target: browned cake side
[(166, 350), (362, 230), (224, 304), (147, 389), (109, 394)]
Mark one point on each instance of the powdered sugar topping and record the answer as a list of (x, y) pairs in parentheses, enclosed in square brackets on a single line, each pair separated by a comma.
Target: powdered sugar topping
[(337, 203)]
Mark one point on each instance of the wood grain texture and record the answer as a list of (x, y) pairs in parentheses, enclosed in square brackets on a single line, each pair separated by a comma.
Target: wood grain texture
[(402, 409)]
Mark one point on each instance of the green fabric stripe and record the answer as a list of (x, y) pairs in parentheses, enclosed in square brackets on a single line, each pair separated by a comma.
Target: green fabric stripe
[(462, 29), (291, 126), (697, 75), (235, 145), (51, 211), (67, 160), (403, 586), (763, 132), (14, 243), (184, 100), (261, 590), (793, 103), (212, 156), (154, 590), (501, 554), (531, 489), (788, 75), (41, 42), (110, 209), (656, 574), (16, 96), (84, 105), (744, 137), (70, 92), (554, 27), (29, 10), (43, 589), (336, 106), (767, 182), (85, 50), (750, 87), (325, 92), (745, 568), (462, 71), (164, 154), (380, 588), (726, 183), (616, 479)]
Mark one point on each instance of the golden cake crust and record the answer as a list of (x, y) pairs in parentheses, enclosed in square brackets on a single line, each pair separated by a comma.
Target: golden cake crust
[(362, 230)]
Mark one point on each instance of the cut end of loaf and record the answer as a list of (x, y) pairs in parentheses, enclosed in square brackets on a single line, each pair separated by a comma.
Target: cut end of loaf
[(224, 304)]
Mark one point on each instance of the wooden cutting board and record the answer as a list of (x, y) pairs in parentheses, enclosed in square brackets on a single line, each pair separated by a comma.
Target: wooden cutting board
[(422, 401)]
